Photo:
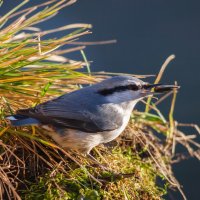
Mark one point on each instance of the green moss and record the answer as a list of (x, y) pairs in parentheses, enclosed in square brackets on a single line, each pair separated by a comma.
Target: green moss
[(59, 187), (130, 177)]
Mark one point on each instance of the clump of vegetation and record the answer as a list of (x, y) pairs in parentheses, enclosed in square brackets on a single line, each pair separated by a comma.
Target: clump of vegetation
[(124, 179), (33, 70)]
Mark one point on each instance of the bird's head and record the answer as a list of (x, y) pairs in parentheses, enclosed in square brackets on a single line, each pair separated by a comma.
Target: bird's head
[(127, 88)]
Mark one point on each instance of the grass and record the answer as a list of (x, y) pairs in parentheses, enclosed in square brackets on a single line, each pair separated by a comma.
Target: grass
[(33, 70)]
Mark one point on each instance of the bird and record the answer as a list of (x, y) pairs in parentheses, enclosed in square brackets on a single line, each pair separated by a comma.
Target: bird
[(95, 114)]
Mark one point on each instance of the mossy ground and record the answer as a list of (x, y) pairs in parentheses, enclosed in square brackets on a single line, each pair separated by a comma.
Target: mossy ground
[(129, 177)]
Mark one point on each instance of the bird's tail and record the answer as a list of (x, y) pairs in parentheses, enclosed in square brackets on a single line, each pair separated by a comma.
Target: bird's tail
[(21, 120)]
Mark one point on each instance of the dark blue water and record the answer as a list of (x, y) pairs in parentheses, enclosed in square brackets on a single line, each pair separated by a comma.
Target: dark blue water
[(147, 31)]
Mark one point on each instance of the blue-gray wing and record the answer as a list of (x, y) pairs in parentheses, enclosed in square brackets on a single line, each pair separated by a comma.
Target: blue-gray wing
[(68, 111)]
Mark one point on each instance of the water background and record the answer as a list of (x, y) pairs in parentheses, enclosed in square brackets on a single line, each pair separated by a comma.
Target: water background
[(147, 31)]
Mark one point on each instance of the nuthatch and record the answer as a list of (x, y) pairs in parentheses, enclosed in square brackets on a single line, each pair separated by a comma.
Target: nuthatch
[(96, 114)]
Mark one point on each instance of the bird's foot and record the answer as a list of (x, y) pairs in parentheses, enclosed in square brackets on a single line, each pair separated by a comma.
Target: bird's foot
[(96, 162)]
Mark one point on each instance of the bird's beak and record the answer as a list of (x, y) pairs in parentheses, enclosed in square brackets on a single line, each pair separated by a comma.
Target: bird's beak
[(150, 89), (165, 88)]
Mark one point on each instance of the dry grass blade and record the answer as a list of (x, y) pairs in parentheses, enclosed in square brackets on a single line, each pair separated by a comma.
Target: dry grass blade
[(94, 43), (159, 76), (165, 64)]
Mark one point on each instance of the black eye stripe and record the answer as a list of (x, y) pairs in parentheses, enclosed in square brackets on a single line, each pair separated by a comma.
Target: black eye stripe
[(120, 89)]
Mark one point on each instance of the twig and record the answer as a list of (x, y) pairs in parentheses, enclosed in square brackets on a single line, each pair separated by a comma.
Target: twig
[(159, 76)]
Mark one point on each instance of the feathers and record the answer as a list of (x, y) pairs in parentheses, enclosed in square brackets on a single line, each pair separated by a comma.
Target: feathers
[(69, 114), (20, 120), (85, 109)]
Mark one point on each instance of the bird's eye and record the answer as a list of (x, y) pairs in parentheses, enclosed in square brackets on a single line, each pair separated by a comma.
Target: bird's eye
[(134, 87), (129, 87)]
